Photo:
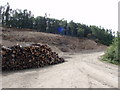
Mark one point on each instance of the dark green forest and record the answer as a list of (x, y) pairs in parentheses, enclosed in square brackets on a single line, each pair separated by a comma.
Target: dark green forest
[(25, 19)]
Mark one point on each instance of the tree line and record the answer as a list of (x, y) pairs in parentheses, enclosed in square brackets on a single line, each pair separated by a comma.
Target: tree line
[(25, 19)]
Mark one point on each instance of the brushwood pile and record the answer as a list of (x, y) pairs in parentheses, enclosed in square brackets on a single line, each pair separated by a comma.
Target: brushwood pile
[(33, 56)]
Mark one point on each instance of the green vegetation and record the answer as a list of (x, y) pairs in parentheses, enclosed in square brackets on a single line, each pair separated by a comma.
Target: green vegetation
[(112, 54), (25, 19)]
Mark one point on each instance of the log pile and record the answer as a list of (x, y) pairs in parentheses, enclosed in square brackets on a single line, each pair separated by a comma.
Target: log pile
[(33, 56)]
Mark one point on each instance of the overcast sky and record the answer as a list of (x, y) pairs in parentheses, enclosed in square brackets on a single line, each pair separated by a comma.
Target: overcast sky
[(91, 12)]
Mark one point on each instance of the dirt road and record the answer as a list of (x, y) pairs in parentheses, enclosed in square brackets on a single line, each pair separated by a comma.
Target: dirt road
[(81, 70)]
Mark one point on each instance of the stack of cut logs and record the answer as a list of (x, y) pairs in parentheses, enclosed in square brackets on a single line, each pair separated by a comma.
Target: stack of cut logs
[(33, 56)]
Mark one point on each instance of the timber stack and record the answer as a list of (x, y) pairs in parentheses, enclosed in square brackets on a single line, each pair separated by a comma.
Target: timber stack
[(33, 56)]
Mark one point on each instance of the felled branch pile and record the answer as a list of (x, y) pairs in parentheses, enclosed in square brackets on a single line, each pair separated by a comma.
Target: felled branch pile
[(33, 56)]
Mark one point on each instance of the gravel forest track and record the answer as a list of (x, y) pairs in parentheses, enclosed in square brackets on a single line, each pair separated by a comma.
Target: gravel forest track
[(81, 70)]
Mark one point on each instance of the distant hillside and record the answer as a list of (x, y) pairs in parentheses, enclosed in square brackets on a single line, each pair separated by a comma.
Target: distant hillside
[(25, 19), (12, 36)]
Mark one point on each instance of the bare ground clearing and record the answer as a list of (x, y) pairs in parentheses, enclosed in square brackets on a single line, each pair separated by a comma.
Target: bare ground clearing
[(82, 68)]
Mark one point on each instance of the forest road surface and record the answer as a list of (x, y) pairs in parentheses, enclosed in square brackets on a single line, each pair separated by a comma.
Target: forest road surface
[(81, 70)]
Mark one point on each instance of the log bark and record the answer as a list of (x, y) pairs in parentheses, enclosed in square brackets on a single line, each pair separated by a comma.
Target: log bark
[(33, 56)]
